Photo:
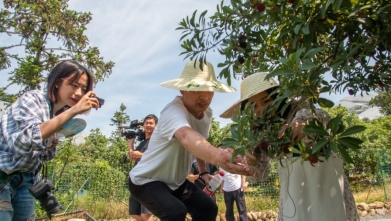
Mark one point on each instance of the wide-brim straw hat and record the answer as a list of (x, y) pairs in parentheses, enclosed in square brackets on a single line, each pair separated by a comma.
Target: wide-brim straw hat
[(250, 86), (195, 79)]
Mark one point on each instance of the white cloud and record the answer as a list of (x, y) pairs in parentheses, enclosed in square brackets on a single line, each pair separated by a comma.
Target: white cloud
[(140, 37)]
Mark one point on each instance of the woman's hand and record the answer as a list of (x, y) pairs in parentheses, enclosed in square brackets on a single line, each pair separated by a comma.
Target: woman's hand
[(54, 142), (251, 159), (297, 131), (86, 103)]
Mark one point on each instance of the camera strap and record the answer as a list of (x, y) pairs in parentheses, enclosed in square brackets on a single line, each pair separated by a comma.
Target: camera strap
[(45, 170)]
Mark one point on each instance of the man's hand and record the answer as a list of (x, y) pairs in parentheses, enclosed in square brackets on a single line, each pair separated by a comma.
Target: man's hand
[(206, 178), (135, 155), (238, 165), (202, 149)]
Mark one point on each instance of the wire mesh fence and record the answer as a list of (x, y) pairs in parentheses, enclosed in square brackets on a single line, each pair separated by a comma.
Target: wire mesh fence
[(100, 181)]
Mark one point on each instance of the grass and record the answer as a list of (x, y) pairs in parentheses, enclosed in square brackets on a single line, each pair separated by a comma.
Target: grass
[(104, 209)]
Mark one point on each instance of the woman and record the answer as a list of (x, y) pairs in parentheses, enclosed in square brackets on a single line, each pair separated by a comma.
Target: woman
[(308, 192), (27, 131)]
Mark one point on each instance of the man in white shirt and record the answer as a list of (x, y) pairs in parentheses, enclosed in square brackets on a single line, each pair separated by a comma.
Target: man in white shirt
[(159, 179), (233, 186)]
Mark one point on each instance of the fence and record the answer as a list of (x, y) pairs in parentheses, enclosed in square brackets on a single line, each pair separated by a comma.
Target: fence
[(101, 181)]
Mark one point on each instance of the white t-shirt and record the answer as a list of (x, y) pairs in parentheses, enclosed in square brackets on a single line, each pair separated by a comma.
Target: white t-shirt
[(232, 182), (165, 159)]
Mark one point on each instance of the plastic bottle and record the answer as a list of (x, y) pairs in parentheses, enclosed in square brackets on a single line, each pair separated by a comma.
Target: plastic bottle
[(241, 189), (214, 183)]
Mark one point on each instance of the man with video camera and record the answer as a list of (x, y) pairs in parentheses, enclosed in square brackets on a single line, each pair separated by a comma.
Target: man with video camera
[(136, 210)]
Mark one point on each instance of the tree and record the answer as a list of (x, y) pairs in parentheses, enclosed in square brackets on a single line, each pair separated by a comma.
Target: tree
[(217, 134), (299, 42), (119, 119), (312, 47), (48, 32), (119, 145), (383, 100)]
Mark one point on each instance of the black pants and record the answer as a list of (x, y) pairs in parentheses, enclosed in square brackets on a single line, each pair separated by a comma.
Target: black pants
[(236, 196), (169, 205)]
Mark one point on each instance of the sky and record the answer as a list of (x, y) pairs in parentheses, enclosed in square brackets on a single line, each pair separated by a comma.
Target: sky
[(140, 37)]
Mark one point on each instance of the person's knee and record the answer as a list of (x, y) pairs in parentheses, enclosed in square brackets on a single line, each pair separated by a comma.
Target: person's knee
[(5, 206), (180, 213), (31, 218)]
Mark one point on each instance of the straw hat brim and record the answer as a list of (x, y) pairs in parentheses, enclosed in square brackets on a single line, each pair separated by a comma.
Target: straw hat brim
[(197, 85), (195, 79), (250, 86)]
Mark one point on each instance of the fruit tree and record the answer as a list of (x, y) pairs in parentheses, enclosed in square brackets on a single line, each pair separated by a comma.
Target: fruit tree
[(311, 47)]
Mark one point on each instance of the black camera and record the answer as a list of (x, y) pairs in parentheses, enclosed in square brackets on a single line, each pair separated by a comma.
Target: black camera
[(100, 100), (135, 131), (42, 191)]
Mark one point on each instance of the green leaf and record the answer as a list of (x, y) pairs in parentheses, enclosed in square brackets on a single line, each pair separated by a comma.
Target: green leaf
[(332, 147), (323, 102), (230, 142), (352, 130), (321, 143), (310, 53), (297, 28), (335, 124), (294, 150), (315, 130), (192, 18), (202, 15), (336, 5), (234, 132), (306, 29), (350, 142), (277, 72), (238, 151), (307, 64), (345, 155)]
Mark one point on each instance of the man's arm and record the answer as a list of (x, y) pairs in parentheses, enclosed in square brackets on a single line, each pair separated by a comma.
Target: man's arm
[(201, 165), (201, 148), (244, 184), (130, 148), (221, 187), (192, 177)]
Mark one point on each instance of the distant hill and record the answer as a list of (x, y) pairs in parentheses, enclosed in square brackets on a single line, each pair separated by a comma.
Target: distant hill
[(360, 105)]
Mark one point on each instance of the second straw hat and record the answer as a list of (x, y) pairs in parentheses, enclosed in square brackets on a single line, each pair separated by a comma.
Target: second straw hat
[(250, 86)]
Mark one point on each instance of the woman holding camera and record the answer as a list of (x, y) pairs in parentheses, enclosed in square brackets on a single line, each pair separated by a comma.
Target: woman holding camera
[(26, 128)]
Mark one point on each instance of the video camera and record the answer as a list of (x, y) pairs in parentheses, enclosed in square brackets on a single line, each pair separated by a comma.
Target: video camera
[(135, 130)]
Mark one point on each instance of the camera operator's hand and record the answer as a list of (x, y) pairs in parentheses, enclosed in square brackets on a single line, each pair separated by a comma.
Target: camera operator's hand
[(85, 103), (136, 155), (130, 148)]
